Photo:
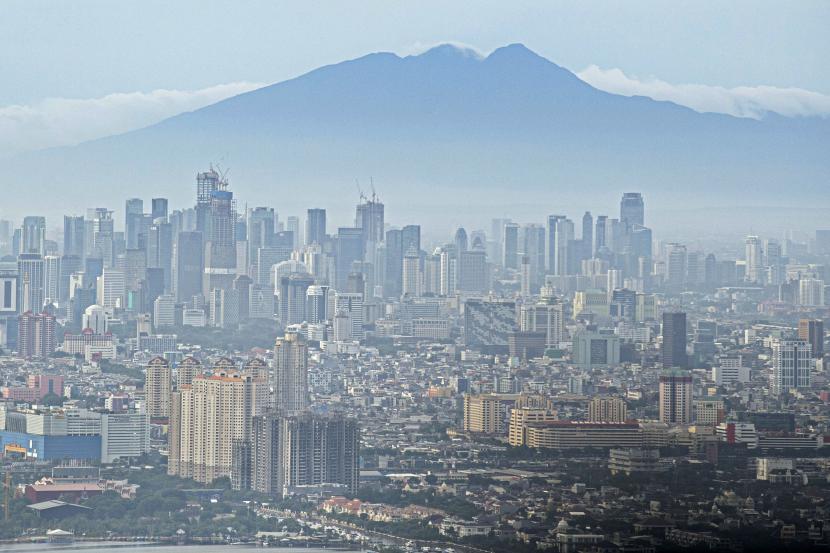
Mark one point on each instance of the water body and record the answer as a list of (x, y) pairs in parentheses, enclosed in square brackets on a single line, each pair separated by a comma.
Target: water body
[(118, 547)]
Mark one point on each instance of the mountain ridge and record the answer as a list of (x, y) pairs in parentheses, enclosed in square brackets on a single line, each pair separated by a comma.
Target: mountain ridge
[(447, 122)]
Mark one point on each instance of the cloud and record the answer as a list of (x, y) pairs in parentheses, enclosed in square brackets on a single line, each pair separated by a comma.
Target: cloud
[(66, 121), (743, 101)]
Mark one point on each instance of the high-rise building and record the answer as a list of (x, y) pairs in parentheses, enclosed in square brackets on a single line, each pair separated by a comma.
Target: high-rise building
[(206, 184), (460, 240), (31, 280), (349, 250), (220, 243), (298, 451), (158, 385), (607, 409), (208, 417), (133, 215), (543, 318), (100, 235), (587, 235), (159, 208), (472, 271), (188, 369), (189, 254), (675, 267), (754, 260), (593, 349), (791, 365), (673, 348), (291, 373), (350, 304), (369, 218), (51, 278), (564, 257), (317, 298), (164, 311), (315, 231), (812, 331), (632, 210), (34, 235), (112, 289), (73, 236), (36, 335), (293, 297), (411, 280), (511, 246), (811, 292), (676, 397)]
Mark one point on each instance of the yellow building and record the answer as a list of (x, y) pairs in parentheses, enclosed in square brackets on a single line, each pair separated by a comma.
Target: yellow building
[(521, 417), (607, 409), (207, 417), (488, 413)]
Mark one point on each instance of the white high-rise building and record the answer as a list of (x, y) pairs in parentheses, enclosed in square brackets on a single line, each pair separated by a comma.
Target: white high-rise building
[(791, 365), (351, 303), (754, 259), (164, 311), (811, 292), (411, 285), (95, 318), (111, 289), (124, 435), (546, 318), (51, 277)]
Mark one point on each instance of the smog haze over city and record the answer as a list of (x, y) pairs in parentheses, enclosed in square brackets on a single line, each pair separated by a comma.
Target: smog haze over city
[(415, 276)]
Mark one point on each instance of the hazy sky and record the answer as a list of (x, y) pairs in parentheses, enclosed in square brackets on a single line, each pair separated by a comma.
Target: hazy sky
[(75, 71), (85, 49)]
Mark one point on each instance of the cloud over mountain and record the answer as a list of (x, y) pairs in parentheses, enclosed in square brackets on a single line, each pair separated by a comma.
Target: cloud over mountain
[(743, 101), (67, 121)]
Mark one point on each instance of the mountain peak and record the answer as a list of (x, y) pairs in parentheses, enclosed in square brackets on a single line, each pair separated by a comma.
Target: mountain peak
[(450, 50)]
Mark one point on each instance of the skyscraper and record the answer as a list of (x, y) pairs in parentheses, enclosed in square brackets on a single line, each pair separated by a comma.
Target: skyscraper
[(411, 273), (315, 231), (460, 240), (189, 265), (157, 387), (133, 214), (791, 365), (369, 218), (673, 348), (304, 450), (587, 235), (34, 235), (31, 275), (599, 235), (293, 297), (159, 208), (510, 258), (349, 250), (676, 397), (220, 243), (754, 260), (206, 184), (812, 331), (73, 236), (291, 373), (632, 210)]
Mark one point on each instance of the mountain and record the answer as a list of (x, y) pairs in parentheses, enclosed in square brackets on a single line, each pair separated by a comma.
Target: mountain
[(450, 134)]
